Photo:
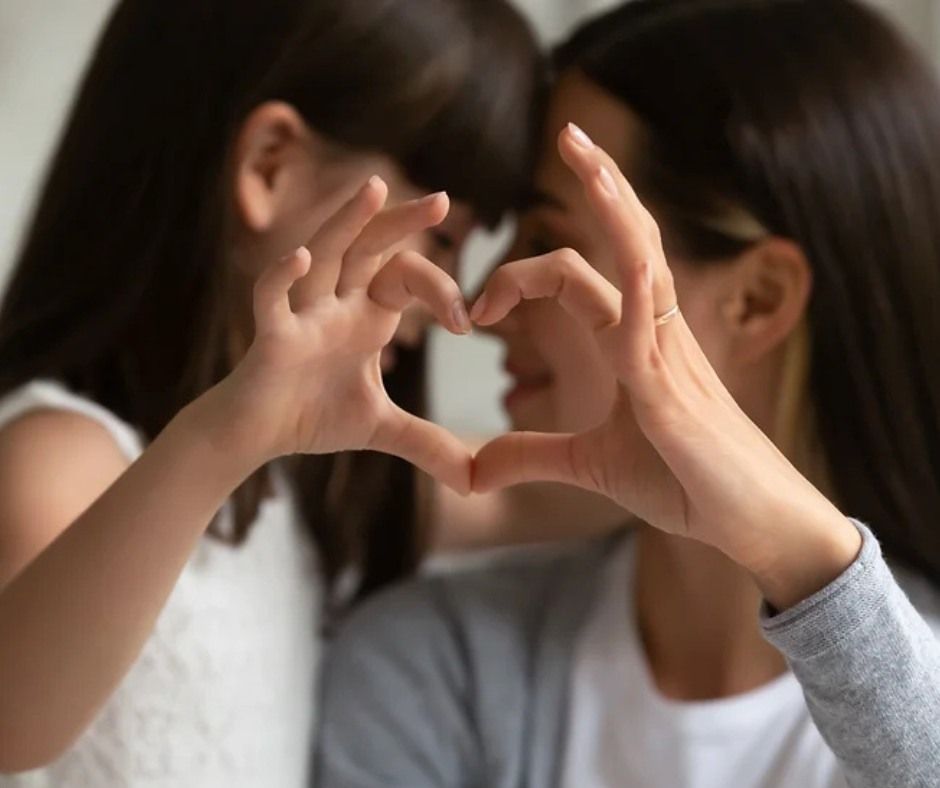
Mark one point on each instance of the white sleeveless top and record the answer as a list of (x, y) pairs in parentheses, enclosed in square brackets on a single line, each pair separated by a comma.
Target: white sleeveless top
[(222, 695)]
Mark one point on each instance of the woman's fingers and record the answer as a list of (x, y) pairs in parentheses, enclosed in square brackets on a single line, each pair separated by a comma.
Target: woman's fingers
[(272, 307), (410, 277), (521, 457), (563, 275), (633, 233), (334, 238), (428, 446), (367, 253)]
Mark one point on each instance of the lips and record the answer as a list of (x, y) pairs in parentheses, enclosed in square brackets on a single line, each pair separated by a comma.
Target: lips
[(527, 382)]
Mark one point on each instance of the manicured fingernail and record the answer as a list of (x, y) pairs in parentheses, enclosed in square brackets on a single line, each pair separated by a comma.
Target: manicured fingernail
[(478, 308), (295, 253), (607, 182), (578, 135), (432, 197), (461, 318), (375, 182)]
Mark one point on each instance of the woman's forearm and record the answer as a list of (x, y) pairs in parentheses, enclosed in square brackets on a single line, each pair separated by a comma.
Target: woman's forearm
[(73, 622), (870, 669)]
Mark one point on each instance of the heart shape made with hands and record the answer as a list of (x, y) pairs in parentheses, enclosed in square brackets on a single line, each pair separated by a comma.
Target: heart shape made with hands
[(597, 305), (676, 450)]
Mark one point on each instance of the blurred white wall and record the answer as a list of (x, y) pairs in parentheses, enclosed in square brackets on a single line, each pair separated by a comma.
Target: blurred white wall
[(43, 45)]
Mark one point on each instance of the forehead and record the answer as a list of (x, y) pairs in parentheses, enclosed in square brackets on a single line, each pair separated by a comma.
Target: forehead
[(605, 119)]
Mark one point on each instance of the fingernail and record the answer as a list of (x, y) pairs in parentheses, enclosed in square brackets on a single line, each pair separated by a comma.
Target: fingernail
[(461, 318), (607, 182), (432, 197), (375, 181), (578, 135), (294, 253), (478, 308)]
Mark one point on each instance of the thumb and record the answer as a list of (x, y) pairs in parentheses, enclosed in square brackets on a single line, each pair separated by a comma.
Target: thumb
[(430, 447), (521, 457)]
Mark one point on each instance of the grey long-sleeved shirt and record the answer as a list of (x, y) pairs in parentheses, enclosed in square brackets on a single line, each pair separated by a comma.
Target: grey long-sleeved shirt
[(461, 680)]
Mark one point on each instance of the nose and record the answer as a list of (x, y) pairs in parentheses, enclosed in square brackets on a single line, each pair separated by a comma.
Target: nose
[(512, 325)]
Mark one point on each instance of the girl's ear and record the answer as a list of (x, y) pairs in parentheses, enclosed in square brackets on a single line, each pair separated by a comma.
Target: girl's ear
[(272, 159), (769, 294)]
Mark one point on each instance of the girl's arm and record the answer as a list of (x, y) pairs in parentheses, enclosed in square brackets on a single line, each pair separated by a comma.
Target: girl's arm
[(73, 621), (74, 617)]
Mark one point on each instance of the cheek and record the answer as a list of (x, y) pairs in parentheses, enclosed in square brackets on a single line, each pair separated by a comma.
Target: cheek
[(701, 307), (584, 388)]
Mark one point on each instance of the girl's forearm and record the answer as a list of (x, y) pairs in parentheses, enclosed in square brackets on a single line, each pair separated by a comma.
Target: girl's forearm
[(73, 622)]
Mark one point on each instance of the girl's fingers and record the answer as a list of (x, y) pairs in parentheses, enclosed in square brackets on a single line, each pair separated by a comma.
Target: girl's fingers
[(389, 228), (334, 238), (428, 446), (410, 277), (272, 308), (521, 457), (633, 233), (563, 275)]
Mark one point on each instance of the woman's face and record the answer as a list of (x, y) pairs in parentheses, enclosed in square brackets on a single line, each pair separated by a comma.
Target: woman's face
[(560, 381)]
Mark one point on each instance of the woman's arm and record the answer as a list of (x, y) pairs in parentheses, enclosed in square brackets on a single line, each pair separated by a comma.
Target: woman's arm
[(870, 670), (680, 453), (74, 617)]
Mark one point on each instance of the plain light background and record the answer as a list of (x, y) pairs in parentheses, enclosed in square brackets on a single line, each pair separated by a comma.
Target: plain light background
[(43, 47)]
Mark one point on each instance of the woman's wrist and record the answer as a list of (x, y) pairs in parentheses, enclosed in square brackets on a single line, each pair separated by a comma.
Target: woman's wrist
[(801, 552)]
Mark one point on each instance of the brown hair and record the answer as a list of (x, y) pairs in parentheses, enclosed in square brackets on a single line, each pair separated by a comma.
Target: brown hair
[(817, 120), (120, 289)]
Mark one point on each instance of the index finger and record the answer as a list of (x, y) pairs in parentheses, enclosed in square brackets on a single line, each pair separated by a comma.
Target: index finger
[(630, 227)]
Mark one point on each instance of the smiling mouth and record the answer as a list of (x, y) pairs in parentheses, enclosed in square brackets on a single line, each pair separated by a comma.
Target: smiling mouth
[(526, 384)]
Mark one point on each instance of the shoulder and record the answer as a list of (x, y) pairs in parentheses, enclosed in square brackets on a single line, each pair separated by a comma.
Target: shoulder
[(50, 436), (52, 446), (454, 623), (53, 465), (424, 679)]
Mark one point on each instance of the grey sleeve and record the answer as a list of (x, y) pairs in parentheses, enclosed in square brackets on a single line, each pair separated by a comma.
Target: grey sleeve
[(869, 666), (392, 710)]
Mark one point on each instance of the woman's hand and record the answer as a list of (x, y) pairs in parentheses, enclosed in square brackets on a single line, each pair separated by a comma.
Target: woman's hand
[(311, 381), (676, 450)]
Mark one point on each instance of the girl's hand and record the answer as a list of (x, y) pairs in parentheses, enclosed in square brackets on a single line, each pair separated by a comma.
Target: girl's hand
[(676, 450), (311, 382)]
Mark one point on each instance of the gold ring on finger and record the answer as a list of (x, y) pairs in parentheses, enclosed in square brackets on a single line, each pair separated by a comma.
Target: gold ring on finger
[(665, 317)]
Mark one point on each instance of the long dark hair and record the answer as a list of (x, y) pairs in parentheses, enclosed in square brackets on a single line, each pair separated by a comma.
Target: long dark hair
[(120, 290), (823, 124)]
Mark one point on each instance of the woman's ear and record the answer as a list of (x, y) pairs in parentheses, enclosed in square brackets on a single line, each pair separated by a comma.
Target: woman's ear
[(770, 291), (272, 160)]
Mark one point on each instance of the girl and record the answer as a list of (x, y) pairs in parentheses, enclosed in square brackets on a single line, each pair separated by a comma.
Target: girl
[(787, 183), (209, 139)]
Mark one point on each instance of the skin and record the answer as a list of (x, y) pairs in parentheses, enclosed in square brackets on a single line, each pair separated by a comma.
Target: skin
[(325, 263), (669, 422)]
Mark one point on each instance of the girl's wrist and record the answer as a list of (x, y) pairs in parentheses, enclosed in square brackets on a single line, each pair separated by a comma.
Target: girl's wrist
[(221, 440)]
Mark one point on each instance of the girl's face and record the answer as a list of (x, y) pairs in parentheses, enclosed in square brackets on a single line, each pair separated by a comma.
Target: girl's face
[(560, 381), (288, 182)]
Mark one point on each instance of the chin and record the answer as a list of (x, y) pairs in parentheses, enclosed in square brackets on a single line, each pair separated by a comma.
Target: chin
[(531, 415)]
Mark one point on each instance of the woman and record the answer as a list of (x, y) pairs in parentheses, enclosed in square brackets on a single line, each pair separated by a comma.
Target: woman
[(209, 140), (786, 155)]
